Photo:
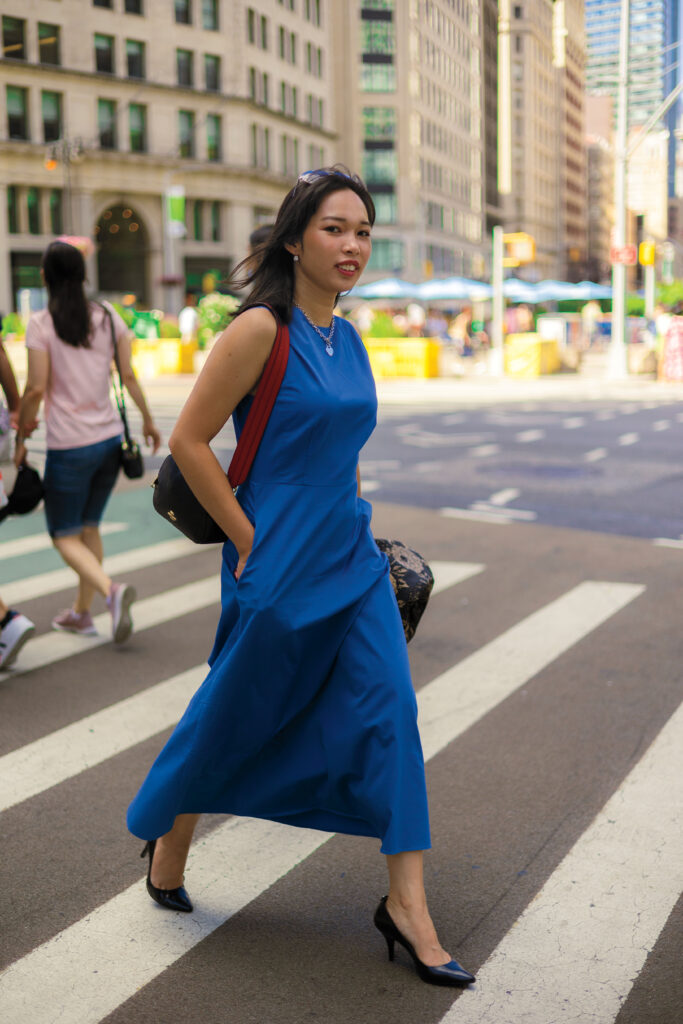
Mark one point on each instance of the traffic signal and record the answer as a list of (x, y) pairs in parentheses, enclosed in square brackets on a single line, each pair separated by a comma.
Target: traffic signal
[(646, 254)]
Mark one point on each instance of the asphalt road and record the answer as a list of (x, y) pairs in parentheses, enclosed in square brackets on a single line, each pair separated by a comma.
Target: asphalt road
[(548, 675)]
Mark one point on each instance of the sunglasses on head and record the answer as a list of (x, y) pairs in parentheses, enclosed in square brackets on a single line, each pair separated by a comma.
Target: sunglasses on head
[(309, 177)]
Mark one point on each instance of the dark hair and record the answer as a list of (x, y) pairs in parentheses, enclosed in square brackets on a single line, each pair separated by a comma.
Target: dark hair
[(260, 235), (64, 272), (271, 281)]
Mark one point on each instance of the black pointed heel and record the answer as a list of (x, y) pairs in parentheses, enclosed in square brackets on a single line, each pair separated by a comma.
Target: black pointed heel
[(169, 899), (451, 973)]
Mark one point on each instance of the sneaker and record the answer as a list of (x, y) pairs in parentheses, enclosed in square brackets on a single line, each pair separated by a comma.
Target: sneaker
[(121, 597), (14, 635), (71, 621)]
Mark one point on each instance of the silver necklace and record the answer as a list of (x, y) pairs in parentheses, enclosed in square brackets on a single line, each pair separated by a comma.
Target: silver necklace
[(326, 338)]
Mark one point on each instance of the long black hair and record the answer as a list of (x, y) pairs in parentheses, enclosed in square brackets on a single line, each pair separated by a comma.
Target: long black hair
[(269, 271), (64, 271)]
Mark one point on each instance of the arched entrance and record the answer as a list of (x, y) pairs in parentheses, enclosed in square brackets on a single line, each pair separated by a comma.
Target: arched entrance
[(121, 240)]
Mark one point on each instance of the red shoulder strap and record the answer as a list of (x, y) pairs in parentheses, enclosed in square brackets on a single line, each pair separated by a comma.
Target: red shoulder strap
[(264, 400)]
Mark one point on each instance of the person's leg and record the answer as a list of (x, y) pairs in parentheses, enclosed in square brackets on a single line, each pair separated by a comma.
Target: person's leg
[(91, 576), (171, 853), (90, 535), (407, 906)]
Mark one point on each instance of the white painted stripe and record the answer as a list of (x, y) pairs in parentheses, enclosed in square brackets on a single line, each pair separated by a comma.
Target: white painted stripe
[(595, 454), (447, 574), (152, 611), (480, 517), (483, 451), (528, 436), (115, 565), (60, 755), (454, 701), (427, 467), (522, 514), (605, 414), (50, 985), (660, 425), (43, 541), (600, 911), (627, 439), (573, 422), (368, 486), (668, 542), (503, 497)]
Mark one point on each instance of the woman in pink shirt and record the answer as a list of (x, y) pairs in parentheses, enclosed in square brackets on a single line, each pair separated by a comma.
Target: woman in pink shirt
[(69, 361)]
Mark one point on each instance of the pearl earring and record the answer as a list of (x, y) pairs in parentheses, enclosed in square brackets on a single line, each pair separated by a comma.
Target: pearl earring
[(296, 259)]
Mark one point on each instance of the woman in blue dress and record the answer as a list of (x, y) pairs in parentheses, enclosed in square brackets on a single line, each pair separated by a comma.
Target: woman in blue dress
[(308, 714)]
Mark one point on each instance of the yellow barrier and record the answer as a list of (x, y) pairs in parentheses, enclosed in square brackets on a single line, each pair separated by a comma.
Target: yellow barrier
[(154, 356), (530, 355), (403, 357)]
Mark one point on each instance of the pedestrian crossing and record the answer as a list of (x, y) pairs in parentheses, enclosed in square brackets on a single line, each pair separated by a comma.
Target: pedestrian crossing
[(609, 887)]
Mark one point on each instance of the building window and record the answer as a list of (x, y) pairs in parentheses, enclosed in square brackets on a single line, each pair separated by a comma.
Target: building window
[(377, 37), (198, 220), (378, 5), (213, 137), (12, 210), (385, 207), (186, 132), (137, 124), (387, 254), (135, 58), (212, 73), (264, 33), (13, 38), (133, 7), (183, 12), (101, 3), (33, 207), (51, 105), (313, 12), (17, 112), (106, 123), (104, 53), (379, 123), (48, 43), (251, 25), (56, 215), (380, 166), (378, 77), (216, 222), (185, 71), (210, 15)]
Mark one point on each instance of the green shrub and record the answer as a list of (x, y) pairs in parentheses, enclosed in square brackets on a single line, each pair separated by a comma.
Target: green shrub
[(13, 324), (169, 329), (383, 326), (215, 313)]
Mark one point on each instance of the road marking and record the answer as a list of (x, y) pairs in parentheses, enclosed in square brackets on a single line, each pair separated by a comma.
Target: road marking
[(498, 517), (573, 422), (602, 908), (50, 984), (430, 439), (428, 467), (42, 541), (626, 439), (368, 486), (407, 428), (66, 752), (115, 565), (595, 454), (522, 514), (503, 497), (152, 611), (527, 436), (667, 542), (660, 425), (372, 466), (483, 451), (605, 414)]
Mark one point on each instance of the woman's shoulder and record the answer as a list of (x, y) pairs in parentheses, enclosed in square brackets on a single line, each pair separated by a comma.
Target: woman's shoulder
[(39, 329)]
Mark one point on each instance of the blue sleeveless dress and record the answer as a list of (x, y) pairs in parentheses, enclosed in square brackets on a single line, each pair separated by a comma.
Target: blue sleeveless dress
[(308, 714)]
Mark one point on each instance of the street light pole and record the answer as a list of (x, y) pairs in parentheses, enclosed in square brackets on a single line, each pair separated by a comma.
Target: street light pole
[(617, 365)]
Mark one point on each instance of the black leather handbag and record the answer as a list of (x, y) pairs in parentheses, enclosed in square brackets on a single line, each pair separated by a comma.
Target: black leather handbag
[(412, 580), (132, 462)]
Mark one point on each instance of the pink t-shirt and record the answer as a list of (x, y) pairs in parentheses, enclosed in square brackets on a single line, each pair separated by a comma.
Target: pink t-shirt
[(78, 407)]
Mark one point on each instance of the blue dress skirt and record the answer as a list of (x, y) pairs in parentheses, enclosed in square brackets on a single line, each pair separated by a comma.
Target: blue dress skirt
[(308, 714)]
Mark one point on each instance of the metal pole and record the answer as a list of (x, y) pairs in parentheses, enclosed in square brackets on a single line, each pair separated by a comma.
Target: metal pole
[(617, 363), (496, 361), (649, 275)]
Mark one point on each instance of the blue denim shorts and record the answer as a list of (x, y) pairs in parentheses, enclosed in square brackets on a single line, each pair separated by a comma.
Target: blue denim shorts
[(78, 482)]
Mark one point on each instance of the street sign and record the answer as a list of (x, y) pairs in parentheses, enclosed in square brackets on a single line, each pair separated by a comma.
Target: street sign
[(520, 247), (626, 254)]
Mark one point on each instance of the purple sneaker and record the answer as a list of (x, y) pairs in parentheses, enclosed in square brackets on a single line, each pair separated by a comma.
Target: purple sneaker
[(121, 597), (70, 621)]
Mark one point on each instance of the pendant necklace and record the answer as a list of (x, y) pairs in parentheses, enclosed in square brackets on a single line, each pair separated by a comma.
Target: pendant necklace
[(326, 338)]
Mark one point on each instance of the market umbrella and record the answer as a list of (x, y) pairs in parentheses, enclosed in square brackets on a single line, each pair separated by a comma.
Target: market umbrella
[(386, 288), (452, 288)]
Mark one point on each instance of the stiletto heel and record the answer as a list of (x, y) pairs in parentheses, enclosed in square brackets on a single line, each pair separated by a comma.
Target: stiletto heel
[(451, 973), (169, 899)]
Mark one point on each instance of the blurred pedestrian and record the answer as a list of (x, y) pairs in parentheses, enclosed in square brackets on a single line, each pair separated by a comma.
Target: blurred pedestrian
[(188, 319), (69, 361), (15, 628), (308, 714)]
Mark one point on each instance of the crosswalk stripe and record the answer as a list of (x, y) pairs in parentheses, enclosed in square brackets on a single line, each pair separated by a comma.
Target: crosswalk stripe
[(582, 940), (67, 752), (32, 989), (115, 565), (42, 541), (150, 612)]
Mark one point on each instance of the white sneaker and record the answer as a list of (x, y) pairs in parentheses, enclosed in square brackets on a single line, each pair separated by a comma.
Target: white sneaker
[(121, 597), (13, 637)]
